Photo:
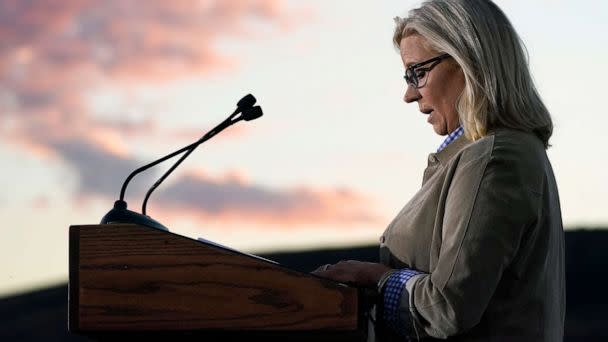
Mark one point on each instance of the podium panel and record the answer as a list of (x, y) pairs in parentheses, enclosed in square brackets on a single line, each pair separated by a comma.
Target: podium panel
[(134, 280)]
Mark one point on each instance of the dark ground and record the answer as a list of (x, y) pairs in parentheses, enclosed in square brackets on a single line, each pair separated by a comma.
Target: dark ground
[(42, 315)]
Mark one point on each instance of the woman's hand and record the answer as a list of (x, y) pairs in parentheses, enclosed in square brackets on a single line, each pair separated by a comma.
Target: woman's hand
[(365, 274)]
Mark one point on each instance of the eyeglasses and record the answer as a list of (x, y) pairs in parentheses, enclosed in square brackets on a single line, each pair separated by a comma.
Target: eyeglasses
[(415, 75)]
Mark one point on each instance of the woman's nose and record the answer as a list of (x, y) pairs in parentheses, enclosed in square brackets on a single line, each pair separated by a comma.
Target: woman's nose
[(411, 94)]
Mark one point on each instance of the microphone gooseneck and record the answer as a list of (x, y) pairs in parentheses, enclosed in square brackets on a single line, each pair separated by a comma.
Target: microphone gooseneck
[(120, 214), (147, 166), (245, 103), (247, 115)]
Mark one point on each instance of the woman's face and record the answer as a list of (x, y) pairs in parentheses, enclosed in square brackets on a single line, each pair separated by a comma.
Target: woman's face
[(444, 83)]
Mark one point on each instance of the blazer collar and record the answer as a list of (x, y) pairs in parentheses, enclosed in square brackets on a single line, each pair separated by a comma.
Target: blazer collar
[(449, 151)]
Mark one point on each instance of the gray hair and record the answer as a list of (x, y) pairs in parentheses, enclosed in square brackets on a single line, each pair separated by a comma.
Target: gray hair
[(499, 90)]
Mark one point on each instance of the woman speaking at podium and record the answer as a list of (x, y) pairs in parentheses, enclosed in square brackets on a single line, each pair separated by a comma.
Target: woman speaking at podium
[(478, 253)]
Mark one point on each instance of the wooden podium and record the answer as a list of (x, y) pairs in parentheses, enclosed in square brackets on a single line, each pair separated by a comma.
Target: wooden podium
[(133, 281)]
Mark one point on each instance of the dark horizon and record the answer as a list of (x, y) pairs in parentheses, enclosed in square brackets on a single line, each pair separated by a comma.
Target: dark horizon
[(42, 314)]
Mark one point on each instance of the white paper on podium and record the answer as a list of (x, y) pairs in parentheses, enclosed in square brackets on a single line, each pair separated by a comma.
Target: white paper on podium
[(234, 250)]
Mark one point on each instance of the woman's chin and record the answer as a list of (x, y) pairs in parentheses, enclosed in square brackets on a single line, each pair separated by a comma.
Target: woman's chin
[(440, 129)]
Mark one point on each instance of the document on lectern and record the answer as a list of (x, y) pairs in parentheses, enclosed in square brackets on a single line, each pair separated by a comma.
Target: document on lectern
[(235, 251)]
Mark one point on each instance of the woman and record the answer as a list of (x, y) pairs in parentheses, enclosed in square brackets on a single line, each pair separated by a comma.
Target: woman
[(478, 253)]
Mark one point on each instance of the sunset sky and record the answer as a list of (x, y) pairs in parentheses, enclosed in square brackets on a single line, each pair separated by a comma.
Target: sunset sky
[(91, 90)]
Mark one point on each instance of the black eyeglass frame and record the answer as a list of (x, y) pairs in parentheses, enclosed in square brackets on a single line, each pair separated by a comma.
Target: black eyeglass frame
[(411, 73)]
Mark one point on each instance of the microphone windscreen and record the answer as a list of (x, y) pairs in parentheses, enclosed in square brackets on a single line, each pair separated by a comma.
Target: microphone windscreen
[(246, 102), (252, 113)]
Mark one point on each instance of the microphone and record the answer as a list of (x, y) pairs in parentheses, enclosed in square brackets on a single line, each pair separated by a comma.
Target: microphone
[(252, 113), (246, 102), (247, 115), (120, 214)]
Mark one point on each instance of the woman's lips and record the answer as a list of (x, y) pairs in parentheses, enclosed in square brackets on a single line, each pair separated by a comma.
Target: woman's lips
[(430, 117)]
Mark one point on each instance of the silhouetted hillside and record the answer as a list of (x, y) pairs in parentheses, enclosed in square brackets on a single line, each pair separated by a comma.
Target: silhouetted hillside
[(42, 315), (586, 279)]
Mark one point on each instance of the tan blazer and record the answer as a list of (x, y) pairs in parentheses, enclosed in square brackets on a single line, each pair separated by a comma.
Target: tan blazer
[(486, 227)]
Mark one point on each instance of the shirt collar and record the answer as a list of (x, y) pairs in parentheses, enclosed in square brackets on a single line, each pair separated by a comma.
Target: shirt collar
[(451, 137)]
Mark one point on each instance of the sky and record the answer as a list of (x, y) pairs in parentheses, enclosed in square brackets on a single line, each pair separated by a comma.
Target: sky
[(91, 90)]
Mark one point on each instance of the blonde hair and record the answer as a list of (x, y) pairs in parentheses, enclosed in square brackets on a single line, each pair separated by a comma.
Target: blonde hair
[(499, 90)]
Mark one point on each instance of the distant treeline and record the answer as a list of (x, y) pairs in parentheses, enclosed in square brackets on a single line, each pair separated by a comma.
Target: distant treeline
[(42, 315)]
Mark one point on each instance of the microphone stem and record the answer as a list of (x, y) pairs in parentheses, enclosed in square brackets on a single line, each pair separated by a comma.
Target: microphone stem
[(226, 123), (147, 166)]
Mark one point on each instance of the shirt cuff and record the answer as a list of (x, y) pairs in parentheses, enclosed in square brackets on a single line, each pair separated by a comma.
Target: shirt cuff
[(393, 292)]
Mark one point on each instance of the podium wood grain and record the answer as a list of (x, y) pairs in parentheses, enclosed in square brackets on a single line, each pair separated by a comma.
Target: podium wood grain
[(134, 278)]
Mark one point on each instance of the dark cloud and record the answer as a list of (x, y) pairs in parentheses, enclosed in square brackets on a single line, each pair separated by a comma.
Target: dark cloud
[(236, 200), (99, 172), (217, 197)]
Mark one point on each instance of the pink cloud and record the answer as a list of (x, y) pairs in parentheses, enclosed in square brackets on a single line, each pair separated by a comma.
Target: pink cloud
[(126, 39), (54, 52), (234, 199), (40, 203)]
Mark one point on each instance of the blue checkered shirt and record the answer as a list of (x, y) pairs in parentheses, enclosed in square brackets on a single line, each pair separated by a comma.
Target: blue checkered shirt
[(396, 283), (392, 293), (451, 137)]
